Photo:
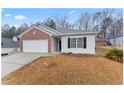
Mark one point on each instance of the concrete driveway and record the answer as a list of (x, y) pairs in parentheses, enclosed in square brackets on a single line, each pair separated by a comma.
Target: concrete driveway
[(13, 62)]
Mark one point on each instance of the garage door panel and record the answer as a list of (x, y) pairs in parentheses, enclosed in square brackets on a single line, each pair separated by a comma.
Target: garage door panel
[(35, 46)]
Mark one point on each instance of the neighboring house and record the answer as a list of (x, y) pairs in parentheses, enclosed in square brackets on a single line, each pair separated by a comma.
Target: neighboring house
[(9, 45), (116, 40), (46, 40)]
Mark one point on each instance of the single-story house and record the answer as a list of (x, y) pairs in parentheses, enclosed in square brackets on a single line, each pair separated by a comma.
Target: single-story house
[(44, 39), (9, 45)]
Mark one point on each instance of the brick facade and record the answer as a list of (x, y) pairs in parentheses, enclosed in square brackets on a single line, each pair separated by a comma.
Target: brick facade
[(35, 34)]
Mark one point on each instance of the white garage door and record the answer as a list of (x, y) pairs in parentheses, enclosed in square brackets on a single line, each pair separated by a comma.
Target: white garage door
[(35, 46)]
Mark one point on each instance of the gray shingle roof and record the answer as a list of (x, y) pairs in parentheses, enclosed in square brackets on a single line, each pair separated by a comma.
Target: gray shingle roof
[(41, 26), (70, 31), (9, 43), (57, 32)]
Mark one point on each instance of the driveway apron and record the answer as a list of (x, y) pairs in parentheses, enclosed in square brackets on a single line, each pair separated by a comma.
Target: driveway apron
[(13, 62)]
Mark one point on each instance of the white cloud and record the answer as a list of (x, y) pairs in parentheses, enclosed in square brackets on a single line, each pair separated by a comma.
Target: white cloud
[(114, 15), (16, 25), (7, 15), (20, 17), (72, 11)]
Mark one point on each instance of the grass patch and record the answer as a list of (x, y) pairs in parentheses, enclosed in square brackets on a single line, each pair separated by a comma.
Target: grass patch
[(68, 70)]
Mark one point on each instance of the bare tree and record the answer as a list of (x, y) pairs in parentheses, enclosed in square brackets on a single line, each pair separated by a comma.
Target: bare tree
[(85, 22), (50, 23), (99, 21), (106, 21), (62, 23), (116, 29), (96, 21), (22, 28)]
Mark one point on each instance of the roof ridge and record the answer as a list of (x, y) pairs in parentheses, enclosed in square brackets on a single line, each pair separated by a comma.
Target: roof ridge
[(49, 28)]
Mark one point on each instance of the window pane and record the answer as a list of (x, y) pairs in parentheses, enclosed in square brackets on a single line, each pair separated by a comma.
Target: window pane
[(72, 42), (79, 42)]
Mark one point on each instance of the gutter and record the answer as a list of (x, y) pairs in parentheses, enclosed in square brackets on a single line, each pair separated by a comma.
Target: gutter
[(80, 33)]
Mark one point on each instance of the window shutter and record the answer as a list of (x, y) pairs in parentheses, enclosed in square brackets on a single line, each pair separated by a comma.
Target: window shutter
[(68, 42), (85, 42)]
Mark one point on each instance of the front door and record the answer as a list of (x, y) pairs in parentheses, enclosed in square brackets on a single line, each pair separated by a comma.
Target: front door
[(59, 45)]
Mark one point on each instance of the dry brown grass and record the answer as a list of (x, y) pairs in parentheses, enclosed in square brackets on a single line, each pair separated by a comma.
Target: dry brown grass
[(101, 51), (68, 69)]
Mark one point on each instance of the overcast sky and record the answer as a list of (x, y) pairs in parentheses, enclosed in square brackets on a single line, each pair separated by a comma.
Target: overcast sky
[(17, 16)]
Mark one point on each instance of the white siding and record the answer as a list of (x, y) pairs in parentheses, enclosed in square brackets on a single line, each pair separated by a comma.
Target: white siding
[(90, 49), (54, 44)]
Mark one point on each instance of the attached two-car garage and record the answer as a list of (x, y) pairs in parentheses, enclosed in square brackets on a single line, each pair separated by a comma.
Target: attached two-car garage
[(40, 46), (35, 40)]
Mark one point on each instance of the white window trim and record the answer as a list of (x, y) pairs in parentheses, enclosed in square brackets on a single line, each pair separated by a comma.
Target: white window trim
[(77, 43)]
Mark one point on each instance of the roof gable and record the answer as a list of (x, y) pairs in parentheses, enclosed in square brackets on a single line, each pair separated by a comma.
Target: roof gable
[(41, 28), (50, 30)]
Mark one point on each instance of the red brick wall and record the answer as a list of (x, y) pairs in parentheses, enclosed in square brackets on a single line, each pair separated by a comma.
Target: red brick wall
[(37, 36)]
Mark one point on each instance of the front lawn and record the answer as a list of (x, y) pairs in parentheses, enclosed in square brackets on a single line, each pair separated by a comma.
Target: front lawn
[(68, 69)]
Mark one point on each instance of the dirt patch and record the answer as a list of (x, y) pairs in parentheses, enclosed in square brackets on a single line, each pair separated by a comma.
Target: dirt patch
[(78, 55), (68, 69)]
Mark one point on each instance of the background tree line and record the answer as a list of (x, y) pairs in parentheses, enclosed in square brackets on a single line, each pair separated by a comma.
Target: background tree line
[(104, 22)]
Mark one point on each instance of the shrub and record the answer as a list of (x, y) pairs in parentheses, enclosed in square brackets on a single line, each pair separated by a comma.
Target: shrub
[(115, 54)]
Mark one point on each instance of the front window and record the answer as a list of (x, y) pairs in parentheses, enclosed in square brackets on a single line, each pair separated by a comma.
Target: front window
[(72, 42), (77, 42)]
